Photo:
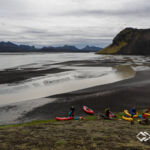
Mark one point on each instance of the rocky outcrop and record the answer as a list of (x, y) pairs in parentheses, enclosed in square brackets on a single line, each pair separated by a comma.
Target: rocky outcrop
[(130, 41)]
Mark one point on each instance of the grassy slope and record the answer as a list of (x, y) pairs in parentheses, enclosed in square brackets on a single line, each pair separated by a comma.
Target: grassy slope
[(112, 49), (89, 134)]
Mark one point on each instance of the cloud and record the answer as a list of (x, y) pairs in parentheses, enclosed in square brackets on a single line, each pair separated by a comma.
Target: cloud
[(55, 22)]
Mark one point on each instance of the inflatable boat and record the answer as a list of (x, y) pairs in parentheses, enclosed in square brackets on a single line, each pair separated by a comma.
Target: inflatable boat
[(64, 118), (128, 114), (147, 114), (127, 118), (88, 110)]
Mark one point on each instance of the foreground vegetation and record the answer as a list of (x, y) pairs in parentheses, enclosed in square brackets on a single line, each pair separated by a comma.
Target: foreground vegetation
[(90, 134)]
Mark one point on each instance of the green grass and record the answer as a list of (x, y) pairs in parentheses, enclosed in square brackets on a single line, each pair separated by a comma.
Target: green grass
[(90, 117), (92, 133), (36, 122), (119, 115), (113, 49)]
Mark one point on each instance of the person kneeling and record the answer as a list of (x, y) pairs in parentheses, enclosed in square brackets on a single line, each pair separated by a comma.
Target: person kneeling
[(144, 119)]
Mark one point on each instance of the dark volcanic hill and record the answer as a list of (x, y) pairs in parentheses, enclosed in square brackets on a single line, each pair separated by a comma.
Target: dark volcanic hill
[(130, 41)]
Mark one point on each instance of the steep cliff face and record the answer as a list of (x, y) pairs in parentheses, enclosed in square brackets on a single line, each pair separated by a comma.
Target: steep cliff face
[(130, 41)]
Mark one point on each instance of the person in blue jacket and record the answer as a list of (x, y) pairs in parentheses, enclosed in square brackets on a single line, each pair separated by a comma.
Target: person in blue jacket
[(133, 111), (71, 112)]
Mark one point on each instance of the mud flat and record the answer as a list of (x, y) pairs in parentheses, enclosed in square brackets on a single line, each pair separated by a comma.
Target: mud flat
[(17, 75)]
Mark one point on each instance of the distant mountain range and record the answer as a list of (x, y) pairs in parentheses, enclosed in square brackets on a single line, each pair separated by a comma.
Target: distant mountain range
[(11, 47), (91, 48), (129, 41)]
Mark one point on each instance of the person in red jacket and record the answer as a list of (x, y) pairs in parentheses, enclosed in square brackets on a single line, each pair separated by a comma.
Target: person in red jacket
[(144, 116), (147, 111), (144, 119)]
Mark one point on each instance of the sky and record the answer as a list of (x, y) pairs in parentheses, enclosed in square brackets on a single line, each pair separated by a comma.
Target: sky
[(72, 22)]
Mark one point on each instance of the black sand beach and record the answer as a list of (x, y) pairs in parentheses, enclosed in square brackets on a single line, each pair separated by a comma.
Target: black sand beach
[(117, 96)]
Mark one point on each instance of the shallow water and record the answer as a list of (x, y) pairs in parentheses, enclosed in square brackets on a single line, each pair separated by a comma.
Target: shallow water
[(80, 77), (23, 60)]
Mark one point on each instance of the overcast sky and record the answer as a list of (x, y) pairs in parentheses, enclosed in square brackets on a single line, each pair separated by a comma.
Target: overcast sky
[(73, 22)]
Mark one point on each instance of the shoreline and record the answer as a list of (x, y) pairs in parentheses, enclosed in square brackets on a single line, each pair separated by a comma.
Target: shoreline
[(117, 96)]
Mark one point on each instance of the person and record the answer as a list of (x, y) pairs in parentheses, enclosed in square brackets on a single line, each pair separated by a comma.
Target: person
[(147, 111), (112, 115), (79, 118), (71, 112), (133, 111), (144, 119), (107, 112)]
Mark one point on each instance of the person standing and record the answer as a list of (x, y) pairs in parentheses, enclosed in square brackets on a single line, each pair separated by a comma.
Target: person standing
[(107, 112), (133, 111), (71, 112)]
